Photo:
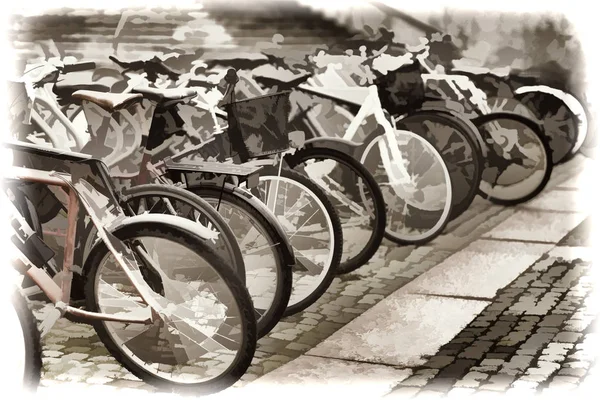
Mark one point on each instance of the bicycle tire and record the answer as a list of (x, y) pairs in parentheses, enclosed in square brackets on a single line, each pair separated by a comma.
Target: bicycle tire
[(240, 297), (284, 272), (465, 167), (32, 342), (442, 220), (234, 253), (544, 147), (336, 228), (379, 209), (545, 106)]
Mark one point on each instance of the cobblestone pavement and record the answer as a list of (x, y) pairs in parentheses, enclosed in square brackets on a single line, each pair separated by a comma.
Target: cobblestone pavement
[(536, 335), (74, 357)]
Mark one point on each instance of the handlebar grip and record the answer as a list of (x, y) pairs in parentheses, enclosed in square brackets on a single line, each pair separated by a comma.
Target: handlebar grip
[(118, 62), (231, 77), (81, 66)]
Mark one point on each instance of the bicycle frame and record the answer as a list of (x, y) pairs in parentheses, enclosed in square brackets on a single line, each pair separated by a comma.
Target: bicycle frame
[(370, 104), (59, 289)]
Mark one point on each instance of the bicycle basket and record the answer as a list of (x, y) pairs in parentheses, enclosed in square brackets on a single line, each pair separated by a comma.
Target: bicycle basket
[(258, 126), (401, 90)]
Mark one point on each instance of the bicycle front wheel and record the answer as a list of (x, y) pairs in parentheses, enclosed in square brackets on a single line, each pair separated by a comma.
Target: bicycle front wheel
[(165, 199), (519, 162), (457, 148), (355, 195), (23, 372), (313, 229), (419, 194), (204, 341)]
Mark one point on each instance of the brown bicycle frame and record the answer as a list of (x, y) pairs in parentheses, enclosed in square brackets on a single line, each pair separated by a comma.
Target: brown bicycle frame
[(59, 295)]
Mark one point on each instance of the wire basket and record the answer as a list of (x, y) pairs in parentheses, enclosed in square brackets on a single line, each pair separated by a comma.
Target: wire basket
[(258, 126), (401, 90)]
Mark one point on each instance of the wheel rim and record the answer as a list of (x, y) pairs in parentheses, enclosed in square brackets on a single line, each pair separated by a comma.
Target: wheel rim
[(311, 238), (517, 160), (408, 218), (347, 193), (203, 335), (260, 257), (453, 148), (573, 104)]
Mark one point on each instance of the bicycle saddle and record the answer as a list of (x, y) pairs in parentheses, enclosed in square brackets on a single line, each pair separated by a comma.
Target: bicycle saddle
[(166, 97), (108, 101)]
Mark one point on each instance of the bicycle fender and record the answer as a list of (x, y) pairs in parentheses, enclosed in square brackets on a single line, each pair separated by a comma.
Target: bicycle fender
[(461, 119), (182, 224), (255, 202), (335, 143)]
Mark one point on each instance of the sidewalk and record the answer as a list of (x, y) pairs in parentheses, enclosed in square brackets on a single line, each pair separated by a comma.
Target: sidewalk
[(511, 311), (413, 320)]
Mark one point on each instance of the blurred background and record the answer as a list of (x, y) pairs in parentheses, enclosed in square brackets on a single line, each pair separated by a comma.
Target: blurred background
[(211, 29)]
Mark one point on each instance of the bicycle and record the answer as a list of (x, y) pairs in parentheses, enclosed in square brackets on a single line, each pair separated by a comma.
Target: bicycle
[(530, 93), (317, 255), (361, 212), (204, 321), (269, 281), (516, 152), (519, 157), (400, 178), (462, 154)]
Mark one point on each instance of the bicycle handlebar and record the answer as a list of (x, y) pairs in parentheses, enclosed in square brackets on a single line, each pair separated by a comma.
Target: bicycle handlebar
[(77, 67)]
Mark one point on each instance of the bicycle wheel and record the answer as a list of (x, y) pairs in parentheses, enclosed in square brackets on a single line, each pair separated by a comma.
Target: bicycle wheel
[(313, 229), (519, 161), (204, 341), (268, 276), (165, 199), (457, 148), (355, 195), (24, 366), (559, 123), (419, 210)]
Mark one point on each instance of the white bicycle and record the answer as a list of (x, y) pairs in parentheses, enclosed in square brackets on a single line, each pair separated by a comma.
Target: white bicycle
[(413, 176)]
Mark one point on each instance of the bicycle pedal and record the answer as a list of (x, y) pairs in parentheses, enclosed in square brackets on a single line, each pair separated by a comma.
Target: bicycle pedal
[(49, 321)]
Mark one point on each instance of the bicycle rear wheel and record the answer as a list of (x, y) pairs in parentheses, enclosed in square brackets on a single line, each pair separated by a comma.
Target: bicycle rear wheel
[(204, 341), (313, 229), (268, 275), (419, 210), (457, 148), (355, 195), (519, 161), (559, 123)]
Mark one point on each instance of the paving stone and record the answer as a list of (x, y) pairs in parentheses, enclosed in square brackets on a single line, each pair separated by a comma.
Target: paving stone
[(535, 343), (439, 361), (499, 382), (471, 380), (498, 330), (477, 350), (553, 320), (515, 337), (516, 365), (578, 372)]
